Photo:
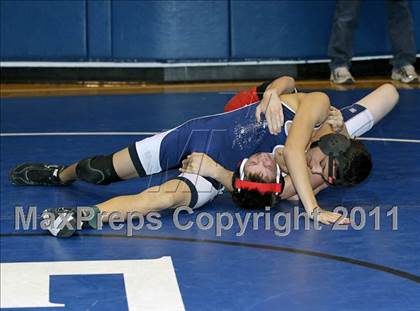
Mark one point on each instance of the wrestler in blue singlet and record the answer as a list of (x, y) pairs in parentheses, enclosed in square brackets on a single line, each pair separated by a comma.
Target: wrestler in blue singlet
[(227, 138)]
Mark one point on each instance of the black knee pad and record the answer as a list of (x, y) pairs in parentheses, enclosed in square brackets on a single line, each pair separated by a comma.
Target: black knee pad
[(98, 170)]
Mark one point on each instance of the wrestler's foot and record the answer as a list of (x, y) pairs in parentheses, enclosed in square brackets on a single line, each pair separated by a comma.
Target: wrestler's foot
[(63, 222), (36, 174)]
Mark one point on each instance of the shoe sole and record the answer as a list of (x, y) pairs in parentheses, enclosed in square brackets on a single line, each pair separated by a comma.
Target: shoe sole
[(397, 77), (406, 81), (14, 175), (16, 180), (348, 81)]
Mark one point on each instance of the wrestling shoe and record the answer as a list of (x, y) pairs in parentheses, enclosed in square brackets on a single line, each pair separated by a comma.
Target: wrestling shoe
[(405, 74), (341, 75), (36, 174), (63, 222)]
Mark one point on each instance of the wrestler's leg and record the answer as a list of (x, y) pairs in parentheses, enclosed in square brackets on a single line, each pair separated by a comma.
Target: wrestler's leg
[(185, 190), (171, 194), (138, 160), (381, 101), (64, 222), (363, 115), (98, 169), (122, 163)]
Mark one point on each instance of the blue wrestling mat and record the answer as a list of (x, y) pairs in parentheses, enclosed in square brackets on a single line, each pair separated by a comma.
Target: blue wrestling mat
[(271, 268)]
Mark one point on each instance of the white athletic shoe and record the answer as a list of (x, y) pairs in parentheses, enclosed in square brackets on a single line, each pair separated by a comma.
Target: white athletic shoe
[(341, 75), (405, 74)]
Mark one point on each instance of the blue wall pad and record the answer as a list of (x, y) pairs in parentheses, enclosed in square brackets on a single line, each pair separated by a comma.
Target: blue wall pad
[(140, 30), (50, 30), (170, 29), (99, 38)]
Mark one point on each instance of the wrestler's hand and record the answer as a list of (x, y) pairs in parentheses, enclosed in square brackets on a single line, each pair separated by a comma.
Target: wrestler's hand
[(328, 218), (200, 164), (335, 119), (272, 108)]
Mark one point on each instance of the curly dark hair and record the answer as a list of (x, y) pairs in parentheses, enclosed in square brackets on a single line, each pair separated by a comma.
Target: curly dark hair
[(357, 164)]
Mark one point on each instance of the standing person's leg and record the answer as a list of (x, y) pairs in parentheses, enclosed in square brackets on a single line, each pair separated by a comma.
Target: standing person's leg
[(401, 32), (340, 48)]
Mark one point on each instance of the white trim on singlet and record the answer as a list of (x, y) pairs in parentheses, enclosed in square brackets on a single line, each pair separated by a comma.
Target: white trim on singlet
[(275, 148), (287, 106), (148, 151), (206, 192), (285, 125), (360, 123)]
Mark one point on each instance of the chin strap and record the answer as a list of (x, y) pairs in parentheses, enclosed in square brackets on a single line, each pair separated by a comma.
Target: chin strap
[(276, 188)]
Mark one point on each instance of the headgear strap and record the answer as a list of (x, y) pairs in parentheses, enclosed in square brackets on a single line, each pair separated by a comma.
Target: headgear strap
[(334, 146), (276, 188)]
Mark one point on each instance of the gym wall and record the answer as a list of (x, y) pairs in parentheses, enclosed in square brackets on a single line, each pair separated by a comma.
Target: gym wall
[(179, 31)]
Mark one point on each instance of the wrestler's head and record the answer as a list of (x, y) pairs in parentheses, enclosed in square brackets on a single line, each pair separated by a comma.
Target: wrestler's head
[(257, 182), (339, 160), (261, 166)]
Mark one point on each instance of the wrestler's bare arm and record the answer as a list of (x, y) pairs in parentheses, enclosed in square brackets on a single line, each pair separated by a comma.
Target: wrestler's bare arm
[(282, 85), (312, 110), (289, 192)]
